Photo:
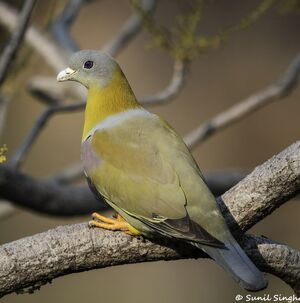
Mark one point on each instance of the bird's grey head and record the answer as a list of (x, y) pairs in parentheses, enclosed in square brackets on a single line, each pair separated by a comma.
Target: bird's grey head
[(90, 68)]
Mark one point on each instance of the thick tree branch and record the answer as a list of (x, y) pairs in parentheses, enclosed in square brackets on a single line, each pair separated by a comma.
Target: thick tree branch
[(276, 91), (276, 258), (33, 261), (69, 174), (265, 189), (46, 196), (10, 50)]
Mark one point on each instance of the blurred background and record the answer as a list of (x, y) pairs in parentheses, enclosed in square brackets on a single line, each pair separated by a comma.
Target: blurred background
[(247, 62)]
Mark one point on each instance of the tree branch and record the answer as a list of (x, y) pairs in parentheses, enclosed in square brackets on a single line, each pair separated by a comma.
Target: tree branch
[(34, 261), (276, 91), (54, 198), (174, 87), (265, 189), (46, 90), (46, 196), (61, 26), (6, 209), (69, 174), (17, 159), (4, 101), (11, 49), (218, 181), (128, 30), (53, 55)]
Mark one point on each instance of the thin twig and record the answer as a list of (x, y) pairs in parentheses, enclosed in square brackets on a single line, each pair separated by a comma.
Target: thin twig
[(172, 90), (61, 26), (11, 49), (4, 101), (40, 123), (276, 91), (128, 30)]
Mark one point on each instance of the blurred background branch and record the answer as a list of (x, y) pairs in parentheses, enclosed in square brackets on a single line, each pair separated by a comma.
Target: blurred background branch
[(41, 122), (173, 88), (57, 197), (276, 91), (129, 30), (61, 26), (10, 51), (50, 51)]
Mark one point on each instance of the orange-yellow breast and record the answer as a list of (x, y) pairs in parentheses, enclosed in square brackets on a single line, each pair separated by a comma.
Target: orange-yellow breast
[(114, 98)]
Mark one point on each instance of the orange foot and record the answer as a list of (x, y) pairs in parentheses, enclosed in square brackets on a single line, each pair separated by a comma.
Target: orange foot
[(113, 224)]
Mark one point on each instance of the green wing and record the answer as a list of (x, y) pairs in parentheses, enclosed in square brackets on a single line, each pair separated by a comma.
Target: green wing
[(147, 171)]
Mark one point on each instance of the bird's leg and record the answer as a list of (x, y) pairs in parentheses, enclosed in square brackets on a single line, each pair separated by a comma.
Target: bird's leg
[(113, 224)]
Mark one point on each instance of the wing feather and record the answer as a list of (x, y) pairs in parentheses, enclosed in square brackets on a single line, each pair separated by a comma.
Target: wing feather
[(143, 166)]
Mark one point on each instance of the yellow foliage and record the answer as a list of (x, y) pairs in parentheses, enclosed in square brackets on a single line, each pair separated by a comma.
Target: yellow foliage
[(182, 41), (3, 150)]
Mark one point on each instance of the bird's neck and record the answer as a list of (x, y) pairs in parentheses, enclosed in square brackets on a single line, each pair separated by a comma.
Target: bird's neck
[(103, 102)]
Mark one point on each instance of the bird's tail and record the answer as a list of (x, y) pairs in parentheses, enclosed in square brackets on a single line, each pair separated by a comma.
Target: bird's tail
[(235, 261)]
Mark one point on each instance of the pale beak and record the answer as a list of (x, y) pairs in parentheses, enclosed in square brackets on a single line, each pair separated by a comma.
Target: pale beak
[(65, 74)]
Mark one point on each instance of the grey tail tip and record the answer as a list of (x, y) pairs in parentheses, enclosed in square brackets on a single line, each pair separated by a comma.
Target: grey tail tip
[(260, 283), (235, 261)]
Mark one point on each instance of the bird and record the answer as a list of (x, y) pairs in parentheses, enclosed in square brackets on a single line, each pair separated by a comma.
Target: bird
[(142, 168)]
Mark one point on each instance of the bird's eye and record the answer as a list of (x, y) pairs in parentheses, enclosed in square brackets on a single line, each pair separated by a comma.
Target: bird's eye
[(88, 64)]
